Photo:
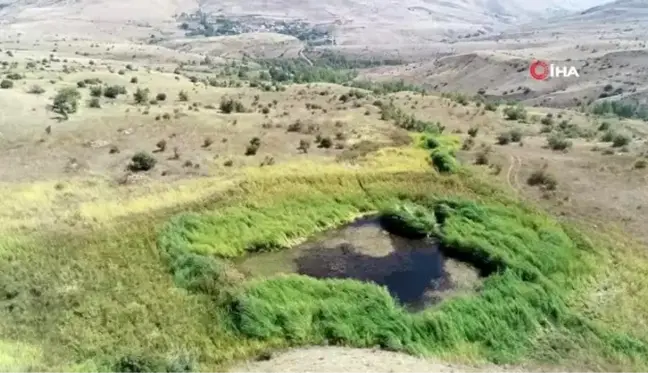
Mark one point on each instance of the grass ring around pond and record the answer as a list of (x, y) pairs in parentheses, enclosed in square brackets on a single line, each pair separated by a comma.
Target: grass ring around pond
[(533, 266)]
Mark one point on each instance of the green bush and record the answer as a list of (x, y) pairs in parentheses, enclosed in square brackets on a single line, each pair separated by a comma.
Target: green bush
[(141, 96), (558, 142), (620, 140), (253, 146), (490, 106), (542, 178), (228, 105), (516, 135), (6, 84), (161, 96), (325, 142), (113, 91), (504, 138), (443, 161), (515, 112), (142, 161), (94, 103), (96, 91), (431, 143), (66, 101)]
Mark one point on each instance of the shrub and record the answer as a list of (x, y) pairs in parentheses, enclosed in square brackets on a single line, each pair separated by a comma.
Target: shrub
[(94, 103), (96, 91), (482, 157), (472, 132), (228, 105), (490, 106), (66, 101), (605, 125), (641, 164), (547, 120), (325, 142), (515, 112), (161, 96), (183, 96), (207, 142), (558, 142), (134, 80), (468, 143), (14, 76), (516, 135), (253, 147), (6, 84), (543, 179), (81, 84), (443, 161), (608, 136), (113, 91), (142, 161), (132, 363), (36, 90), (141, 96), (304, 145), (620, 140), (504, 138), (296, 126), (431, 143), (161, 145)]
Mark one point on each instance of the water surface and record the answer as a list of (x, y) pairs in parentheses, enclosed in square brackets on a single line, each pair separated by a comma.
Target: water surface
[(414, 271)]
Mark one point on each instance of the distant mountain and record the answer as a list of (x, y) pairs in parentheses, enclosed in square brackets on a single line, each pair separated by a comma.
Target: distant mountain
[(617, 14), (365, 22)]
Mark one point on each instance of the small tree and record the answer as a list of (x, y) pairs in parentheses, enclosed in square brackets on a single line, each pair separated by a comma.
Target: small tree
[(141, 96), (66, 102), (304, 145)]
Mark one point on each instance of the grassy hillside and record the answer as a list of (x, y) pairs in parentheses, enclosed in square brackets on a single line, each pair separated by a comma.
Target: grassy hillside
[(155, 294), (102, 268)]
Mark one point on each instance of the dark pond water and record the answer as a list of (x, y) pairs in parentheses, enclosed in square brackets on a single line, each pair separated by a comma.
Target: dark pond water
[(414, 271)]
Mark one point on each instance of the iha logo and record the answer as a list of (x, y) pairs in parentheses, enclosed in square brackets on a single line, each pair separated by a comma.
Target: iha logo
[(541, 70)]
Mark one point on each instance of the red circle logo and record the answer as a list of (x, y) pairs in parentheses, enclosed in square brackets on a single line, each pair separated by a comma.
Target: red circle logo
[(539, 70)]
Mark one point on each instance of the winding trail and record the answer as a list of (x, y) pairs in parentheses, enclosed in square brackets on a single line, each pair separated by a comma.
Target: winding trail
[(513, 171), (302, 55)]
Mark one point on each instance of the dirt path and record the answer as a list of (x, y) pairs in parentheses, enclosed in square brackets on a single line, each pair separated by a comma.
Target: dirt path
[(338, 359), (302, 55), (512, 174)]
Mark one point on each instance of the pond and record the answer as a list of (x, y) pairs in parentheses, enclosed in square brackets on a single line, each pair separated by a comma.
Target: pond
[(414, 271)]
